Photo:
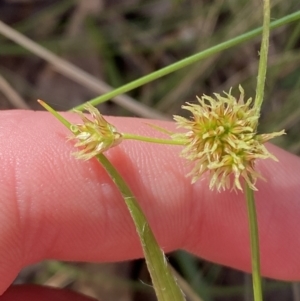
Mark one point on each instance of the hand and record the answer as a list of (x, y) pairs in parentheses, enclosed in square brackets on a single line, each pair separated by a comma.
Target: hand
[(54, 206)]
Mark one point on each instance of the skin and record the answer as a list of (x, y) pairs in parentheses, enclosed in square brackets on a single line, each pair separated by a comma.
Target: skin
[(54, 206)]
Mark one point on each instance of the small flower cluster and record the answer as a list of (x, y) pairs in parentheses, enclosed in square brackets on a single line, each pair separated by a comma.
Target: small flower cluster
[(221, 139), (94, 136)]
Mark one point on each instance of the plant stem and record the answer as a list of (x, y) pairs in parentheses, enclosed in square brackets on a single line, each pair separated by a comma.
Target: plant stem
[(151, 139), (260, 87), (263, 61), (189, 60), (254, 241), (164, 283)]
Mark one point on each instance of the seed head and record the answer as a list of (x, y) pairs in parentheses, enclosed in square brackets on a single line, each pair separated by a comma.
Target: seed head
[(94, 136), (221, 139)]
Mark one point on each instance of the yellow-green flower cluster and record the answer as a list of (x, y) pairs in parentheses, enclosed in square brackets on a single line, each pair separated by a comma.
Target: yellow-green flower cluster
[(94, 136), (222, 140)]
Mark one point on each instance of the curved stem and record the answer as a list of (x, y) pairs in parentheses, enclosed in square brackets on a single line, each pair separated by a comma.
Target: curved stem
[(254, 241), (163, 281)]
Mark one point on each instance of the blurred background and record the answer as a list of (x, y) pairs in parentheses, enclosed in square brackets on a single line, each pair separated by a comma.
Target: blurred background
[(113, 42)]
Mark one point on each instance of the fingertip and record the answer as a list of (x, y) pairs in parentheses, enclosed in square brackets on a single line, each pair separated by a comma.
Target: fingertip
[(72, 211)]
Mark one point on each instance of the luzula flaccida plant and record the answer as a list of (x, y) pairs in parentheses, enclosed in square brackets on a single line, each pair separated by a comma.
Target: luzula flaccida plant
[(220, 140)]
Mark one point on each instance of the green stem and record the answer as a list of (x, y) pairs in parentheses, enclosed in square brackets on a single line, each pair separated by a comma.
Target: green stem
[(190, 60), (260, 87), (263, 61), (151, 139), (254, 241), (164, 283)]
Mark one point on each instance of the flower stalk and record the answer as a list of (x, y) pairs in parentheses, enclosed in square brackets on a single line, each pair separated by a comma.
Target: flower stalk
[(250, 198), (254, 243), (164, 283), (152, 140)]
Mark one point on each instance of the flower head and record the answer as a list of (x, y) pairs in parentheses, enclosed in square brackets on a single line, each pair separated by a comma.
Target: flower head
[(221, 139), (94, 136)]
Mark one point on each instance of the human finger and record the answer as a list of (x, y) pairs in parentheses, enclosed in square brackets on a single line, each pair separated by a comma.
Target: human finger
[(54, 206)]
